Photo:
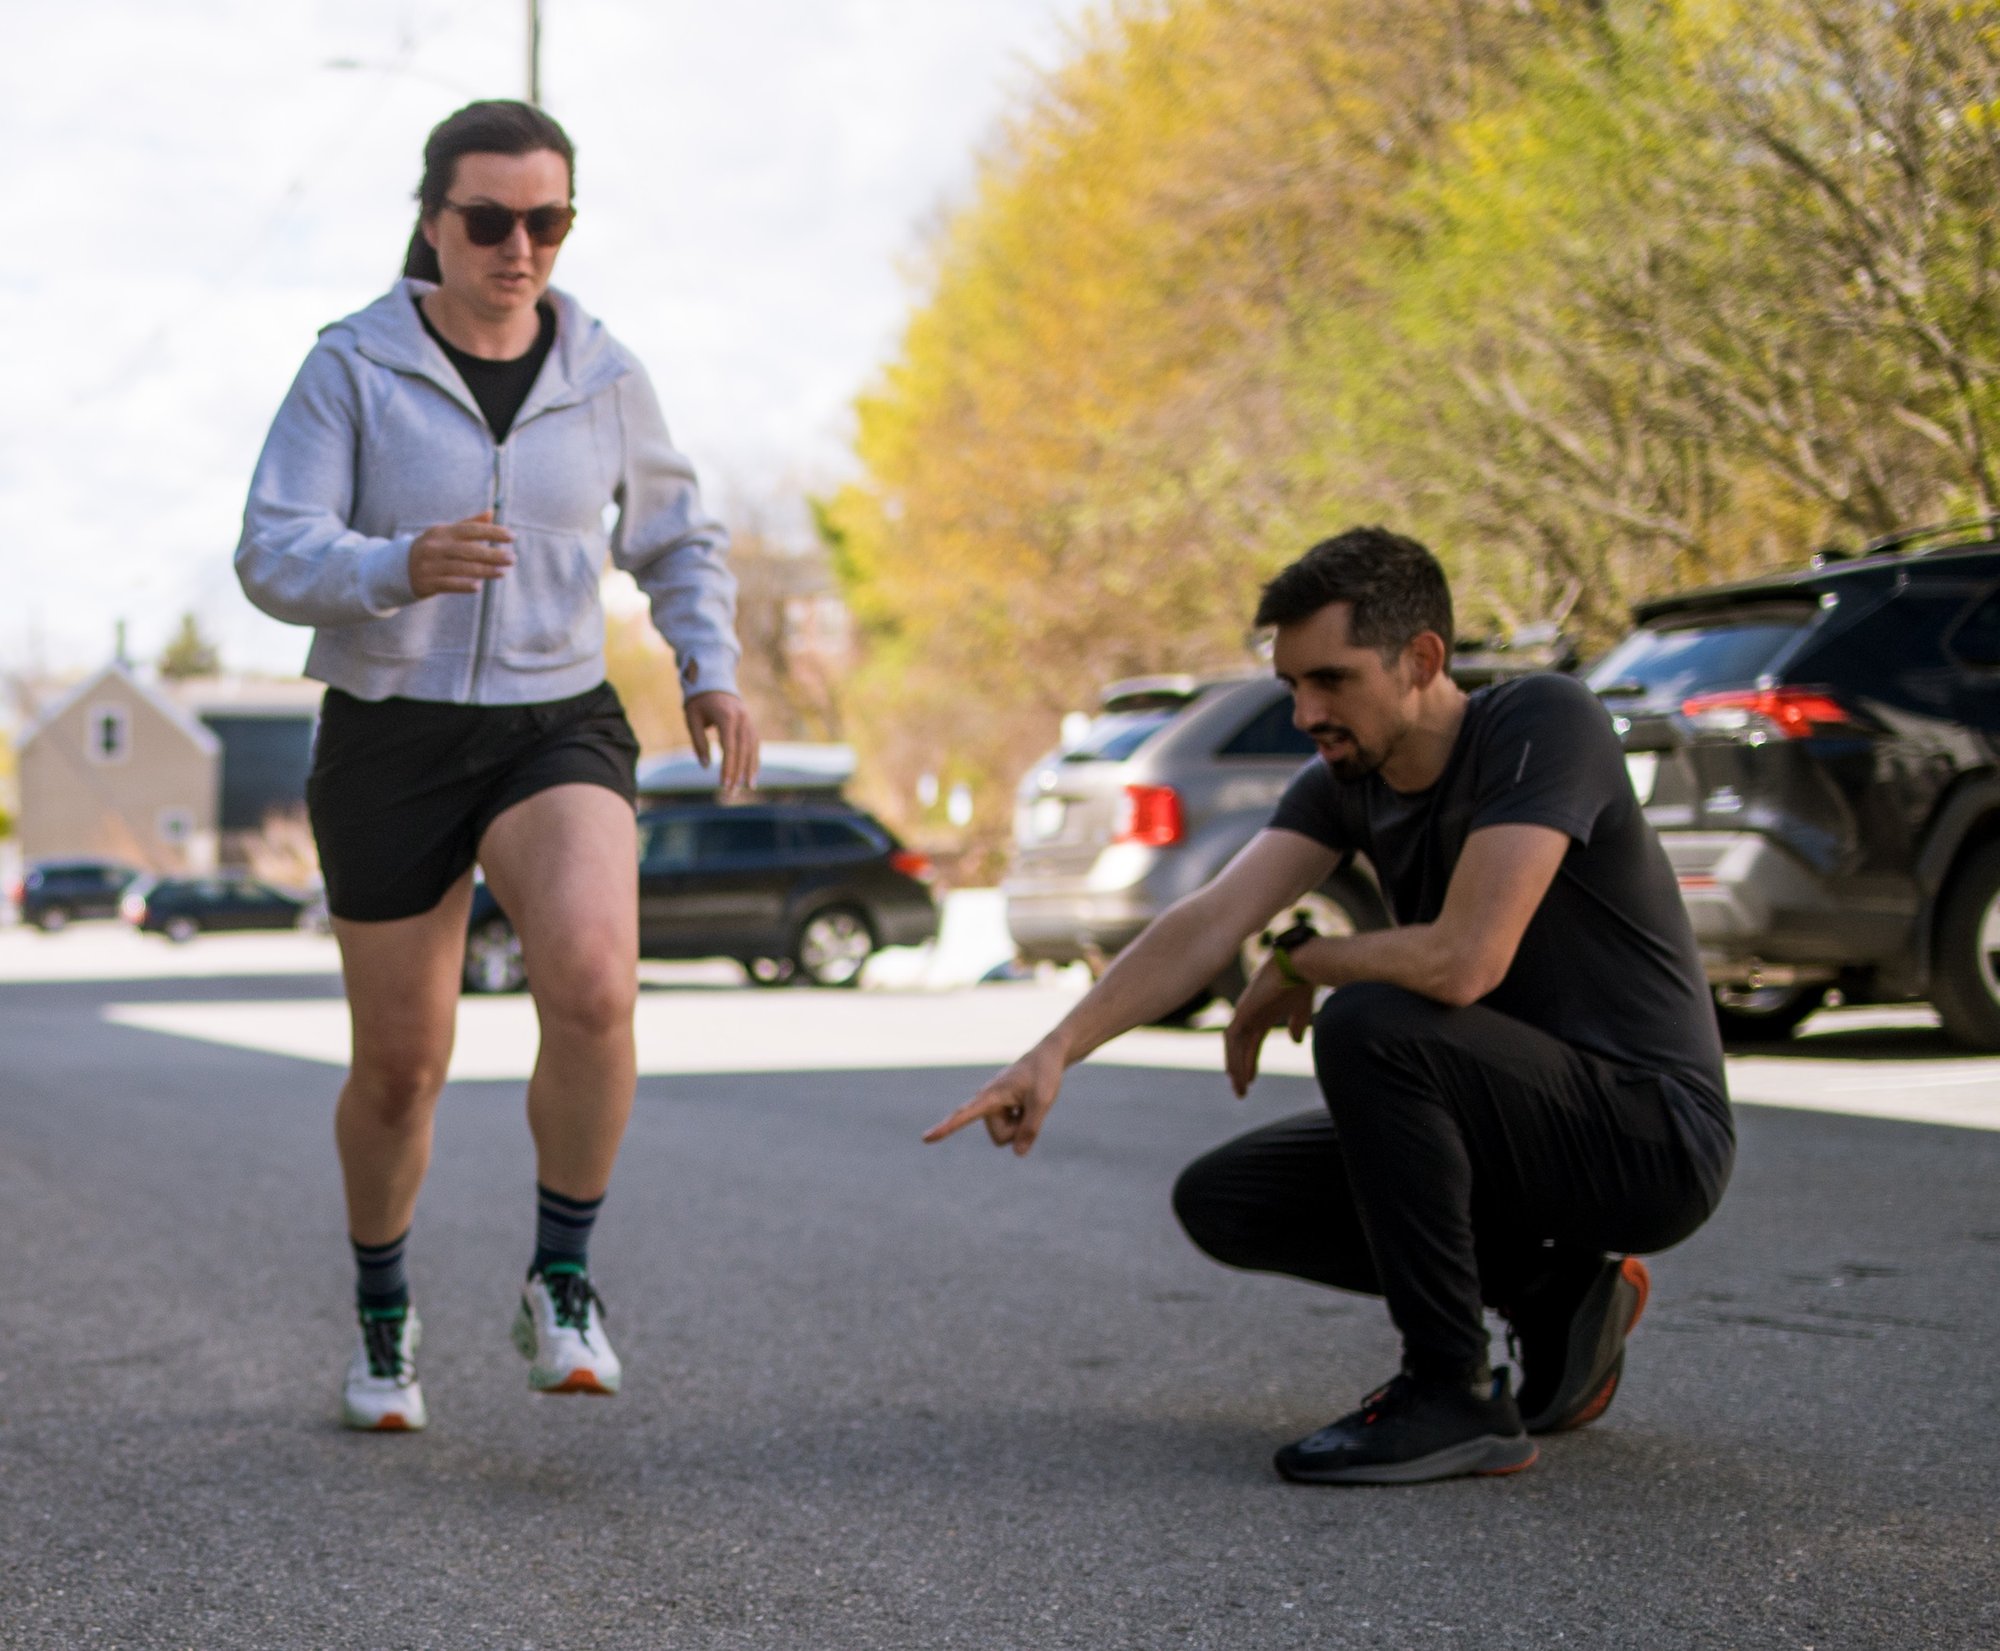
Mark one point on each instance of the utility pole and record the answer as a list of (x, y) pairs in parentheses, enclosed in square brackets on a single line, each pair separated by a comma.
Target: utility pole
[(535, 52)]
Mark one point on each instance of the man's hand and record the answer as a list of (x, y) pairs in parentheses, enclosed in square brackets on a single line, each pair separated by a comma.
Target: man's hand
[(459, 556), (728, 718), (1267, 1000), (1013, 1104)]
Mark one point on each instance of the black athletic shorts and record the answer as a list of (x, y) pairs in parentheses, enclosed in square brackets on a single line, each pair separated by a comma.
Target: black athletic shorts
[(402, 790)]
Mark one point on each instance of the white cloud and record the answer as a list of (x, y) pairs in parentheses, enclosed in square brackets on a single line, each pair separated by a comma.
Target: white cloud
[(193, 191)]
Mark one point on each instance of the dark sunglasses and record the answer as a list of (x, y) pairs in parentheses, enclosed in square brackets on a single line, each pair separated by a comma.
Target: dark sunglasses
[(487, 225)]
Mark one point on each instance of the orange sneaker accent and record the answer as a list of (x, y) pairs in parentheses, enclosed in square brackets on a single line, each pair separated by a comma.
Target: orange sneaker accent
[(580, 1381), (1518, 1467), (391, 1423), (1598, 1403), (1637, 1275)]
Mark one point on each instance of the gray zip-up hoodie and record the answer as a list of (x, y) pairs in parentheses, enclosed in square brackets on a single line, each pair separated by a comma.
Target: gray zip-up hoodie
[(379, 439)]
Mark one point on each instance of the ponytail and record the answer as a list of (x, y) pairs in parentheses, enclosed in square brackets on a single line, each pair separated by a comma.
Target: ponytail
[(420, 263)]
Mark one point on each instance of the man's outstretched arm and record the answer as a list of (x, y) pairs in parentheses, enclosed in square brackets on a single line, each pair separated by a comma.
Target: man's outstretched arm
[(1180, 952)]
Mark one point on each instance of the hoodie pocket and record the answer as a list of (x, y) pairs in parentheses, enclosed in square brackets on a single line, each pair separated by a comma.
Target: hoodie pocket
[(550, 612), (429, 627)]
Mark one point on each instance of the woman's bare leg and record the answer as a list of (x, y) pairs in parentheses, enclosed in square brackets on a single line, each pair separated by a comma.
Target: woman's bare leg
[(564, 865), (402, 994)]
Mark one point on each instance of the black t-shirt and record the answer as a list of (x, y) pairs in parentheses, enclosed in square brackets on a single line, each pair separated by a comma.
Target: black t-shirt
[(499, 386), (1608, 963)]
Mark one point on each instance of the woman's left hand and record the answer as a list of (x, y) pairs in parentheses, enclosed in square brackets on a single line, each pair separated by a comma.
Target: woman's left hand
[(728, 719)]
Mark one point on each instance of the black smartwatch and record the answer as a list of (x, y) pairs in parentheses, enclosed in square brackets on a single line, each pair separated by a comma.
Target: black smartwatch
[(1283, 945)]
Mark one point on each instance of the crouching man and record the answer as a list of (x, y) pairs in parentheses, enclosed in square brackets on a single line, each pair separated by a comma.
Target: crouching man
[(1523, 1079)]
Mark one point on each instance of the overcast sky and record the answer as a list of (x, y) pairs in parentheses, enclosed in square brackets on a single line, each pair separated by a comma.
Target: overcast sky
[(193, 189)]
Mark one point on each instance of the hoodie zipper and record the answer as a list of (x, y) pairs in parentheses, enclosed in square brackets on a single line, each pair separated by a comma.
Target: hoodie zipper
[(483, 634)]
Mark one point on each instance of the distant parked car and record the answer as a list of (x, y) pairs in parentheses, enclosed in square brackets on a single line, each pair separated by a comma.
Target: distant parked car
[(56, 893), (1172, 777), (1819, 751), (182, 907), (791, 891)]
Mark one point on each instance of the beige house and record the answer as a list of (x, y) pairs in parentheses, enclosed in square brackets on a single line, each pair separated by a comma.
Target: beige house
[(116, 768)]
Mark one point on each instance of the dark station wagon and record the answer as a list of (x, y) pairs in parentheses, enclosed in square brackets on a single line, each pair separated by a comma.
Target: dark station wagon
[(792, 891)]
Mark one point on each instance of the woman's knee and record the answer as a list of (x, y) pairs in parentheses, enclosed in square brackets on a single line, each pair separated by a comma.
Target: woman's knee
[(397, 1088), (591, 999)]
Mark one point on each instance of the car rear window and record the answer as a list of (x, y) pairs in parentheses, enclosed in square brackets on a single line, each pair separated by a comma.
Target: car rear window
[(833, 837), (1270, 733), (1676, 655), (737, 837), (1116, 735)]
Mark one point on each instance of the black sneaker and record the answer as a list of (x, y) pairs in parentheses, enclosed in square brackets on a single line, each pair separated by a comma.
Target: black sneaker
[(1569, 1334), (1412, 1430)]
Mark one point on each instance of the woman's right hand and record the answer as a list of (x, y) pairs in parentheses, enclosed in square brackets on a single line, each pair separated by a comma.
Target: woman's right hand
[(460, 556)]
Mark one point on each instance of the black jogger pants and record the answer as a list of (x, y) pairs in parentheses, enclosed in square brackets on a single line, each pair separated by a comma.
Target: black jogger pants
[(1461, 1154)]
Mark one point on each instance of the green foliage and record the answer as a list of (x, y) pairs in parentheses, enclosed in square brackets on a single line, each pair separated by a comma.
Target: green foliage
[(1598, 299), (189, 653)]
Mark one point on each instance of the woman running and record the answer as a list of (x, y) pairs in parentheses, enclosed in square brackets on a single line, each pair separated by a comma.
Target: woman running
[(432, 498)]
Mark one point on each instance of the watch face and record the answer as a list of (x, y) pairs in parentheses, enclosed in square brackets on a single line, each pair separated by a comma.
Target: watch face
[(1297, 935)]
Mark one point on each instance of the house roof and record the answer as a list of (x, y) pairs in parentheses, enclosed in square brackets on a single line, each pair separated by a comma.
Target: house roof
[(247, 696), (201, 738)]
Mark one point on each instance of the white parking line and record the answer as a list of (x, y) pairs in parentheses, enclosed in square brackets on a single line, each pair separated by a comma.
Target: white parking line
[(732, 1031)]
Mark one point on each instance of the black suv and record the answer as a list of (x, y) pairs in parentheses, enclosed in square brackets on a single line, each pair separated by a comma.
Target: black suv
[(792, 891), (56, 892), (1820, 754)]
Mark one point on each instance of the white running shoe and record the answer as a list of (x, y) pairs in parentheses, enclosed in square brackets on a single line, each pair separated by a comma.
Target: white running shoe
[(560, 1332), (382, 1393)]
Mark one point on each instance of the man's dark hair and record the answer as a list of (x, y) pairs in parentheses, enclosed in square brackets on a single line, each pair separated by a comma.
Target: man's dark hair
[(497, 126), (1394, 584)]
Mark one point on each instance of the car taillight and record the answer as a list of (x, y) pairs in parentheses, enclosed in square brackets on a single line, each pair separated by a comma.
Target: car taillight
[(1149, 814), (1790, 713), (912, 864)]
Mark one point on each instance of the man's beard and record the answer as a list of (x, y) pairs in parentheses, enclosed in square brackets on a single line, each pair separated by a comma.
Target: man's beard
[(1357, 767), (1348, 769)]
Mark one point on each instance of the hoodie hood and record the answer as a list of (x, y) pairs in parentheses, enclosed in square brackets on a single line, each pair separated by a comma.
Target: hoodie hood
[(585, 360)]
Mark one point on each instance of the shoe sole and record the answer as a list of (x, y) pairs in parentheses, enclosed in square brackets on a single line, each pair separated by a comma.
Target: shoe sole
[(1485, 1458), (577, 1381), (1599, 1354)]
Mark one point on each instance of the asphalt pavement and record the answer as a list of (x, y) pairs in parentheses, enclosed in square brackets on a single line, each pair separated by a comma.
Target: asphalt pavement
[(884, 1395)]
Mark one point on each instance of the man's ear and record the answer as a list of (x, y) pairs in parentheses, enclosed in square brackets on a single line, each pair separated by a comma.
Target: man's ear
[(429, 227), (1427, 655)]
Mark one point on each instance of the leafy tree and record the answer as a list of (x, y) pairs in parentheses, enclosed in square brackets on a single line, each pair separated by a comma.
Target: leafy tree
[(189, 653), (1597, 298)]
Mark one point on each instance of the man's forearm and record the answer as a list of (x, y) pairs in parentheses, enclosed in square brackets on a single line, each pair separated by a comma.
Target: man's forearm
[(1178, 954), (1418, 957)]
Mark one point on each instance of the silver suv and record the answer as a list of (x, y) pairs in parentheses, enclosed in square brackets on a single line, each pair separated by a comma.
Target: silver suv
[(1172, 777)]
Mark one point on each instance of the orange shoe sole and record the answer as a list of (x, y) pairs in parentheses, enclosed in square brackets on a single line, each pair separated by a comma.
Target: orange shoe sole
[(1635, 1273), (581, 1381)]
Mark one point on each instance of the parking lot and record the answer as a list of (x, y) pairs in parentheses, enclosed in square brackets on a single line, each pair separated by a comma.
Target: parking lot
[(887, 1395)]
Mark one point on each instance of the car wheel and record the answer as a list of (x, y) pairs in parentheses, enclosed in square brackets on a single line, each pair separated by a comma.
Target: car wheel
[(770, 971), (1965, 968), (180, 930), (832, 947), (52, 920), (1763, 1014), (493, 960)]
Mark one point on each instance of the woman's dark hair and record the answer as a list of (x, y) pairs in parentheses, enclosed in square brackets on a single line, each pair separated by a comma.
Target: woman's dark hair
[(498, 126), (1394, 583)]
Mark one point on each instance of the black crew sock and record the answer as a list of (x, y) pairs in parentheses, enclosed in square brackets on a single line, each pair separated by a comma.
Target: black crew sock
[(562, 1231), (381, 1287)]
